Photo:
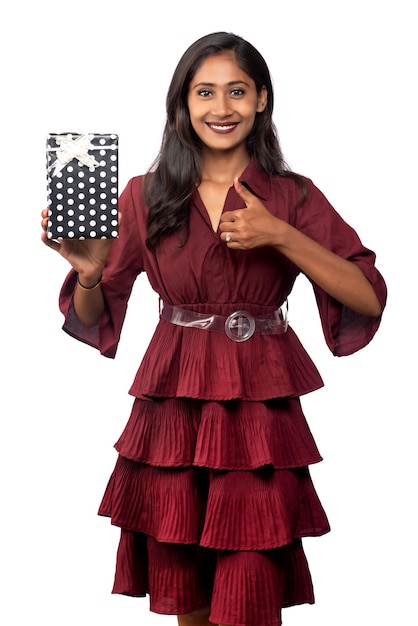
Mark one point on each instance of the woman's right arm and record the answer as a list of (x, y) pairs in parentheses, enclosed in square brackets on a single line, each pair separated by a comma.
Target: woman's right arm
[(88, 258)]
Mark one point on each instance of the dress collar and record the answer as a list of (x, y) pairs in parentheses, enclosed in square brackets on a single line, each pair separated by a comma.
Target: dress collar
[(256, 179)]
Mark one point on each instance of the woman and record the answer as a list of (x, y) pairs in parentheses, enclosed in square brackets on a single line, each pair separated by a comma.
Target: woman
[(211, 488)]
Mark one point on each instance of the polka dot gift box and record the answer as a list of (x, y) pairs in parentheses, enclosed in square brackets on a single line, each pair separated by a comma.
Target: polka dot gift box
[(82, 186)]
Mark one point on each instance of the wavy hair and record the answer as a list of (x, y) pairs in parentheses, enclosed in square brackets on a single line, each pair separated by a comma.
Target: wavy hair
[(174, 174)]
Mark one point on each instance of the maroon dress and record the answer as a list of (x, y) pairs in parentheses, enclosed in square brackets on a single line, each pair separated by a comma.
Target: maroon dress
[(211, 488)]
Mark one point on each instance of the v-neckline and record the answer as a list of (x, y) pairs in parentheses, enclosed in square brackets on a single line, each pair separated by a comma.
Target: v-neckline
[(206, 213)]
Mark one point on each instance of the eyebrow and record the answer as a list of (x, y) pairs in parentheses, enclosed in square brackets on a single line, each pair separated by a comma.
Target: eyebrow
[(230, 84)]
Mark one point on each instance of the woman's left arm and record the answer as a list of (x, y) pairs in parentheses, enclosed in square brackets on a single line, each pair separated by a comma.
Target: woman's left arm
[(342, 279)]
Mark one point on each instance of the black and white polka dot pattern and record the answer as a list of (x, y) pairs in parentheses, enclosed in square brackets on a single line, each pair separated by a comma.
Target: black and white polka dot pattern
[(82, 200)]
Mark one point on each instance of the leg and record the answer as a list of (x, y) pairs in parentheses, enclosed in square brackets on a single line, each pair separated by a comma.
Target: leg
[(197, 618)]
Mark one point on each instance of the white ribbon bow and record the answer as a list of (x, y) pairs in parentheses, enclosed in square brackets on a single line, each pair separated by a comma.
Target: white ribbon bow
[(73, 149)]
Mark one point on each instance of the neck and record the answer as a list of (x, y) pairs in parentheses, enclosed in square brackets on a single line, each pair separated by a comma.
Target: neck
[(223, 168)]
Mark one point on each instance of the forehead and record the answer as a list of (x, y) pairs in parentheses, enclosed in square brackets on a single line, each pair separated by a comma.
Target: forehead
[(221, 68)]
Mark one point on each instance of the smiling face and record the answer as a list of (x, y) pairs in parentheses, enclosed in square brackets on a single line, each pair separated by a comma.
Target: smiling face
[(223, 102)]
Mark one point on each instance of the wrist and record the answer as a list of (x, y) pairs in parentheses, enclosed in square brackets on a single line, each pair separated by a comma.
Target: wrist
[(279, 234), (89, 281)]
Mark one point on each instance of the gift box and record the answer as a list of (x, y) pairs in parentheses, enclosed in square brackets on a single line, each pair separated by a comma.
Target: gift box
[(82, 186)]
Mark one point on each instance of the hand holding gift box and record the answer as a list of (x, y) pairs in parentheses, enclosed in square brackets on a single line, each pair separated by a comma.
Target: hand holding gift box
[(82, 182)]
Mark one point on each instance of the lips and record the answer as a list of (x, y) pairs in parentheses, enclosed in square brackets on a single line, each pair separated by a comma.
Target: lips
[(222, 128)]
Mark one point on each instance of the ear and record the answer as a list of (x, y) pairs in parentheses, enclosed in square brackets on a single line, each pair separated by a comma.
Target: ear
[(262, 99)]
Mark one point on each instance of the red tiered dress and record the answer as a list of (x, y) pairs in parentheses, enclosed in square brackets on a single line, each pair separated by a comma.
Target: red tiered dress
[(211, 488)]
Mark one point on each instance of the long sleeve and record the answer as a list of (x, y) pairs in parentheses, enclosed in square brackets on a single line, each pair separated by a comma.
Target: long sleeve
[(345, 331), (124, 264)]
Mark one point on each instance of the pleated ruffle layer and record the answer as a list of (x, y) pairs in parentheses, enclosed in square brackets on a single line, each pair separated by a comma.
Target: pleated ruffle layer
[(194, 363), (242, 510), (212, 499), (243, 588), (231, 435)]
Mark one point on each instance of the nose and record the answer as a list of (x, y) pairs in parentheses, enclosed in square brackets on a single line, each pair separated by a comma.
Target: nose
[(221, 106)]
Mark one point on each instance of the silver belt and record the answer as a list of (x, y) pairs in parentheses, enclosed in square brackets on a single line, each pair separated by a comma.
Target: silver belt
[(239, 326)]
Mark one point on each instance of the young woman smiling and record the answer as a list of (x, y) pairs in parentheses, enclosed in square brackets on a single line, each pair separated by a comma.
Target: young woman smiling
[(211, 488)]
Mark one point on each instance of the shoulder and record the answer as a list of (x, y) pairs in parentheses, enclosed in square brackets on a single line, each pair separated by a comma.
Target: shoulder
[(134, 185), (300, 190), (132, 193), (131, 200), (291, 190), (292, 182)]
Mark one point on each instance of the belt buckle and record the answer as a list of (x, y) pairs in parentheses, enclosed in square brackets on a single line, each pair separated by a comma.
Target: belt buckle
[(239, 326)]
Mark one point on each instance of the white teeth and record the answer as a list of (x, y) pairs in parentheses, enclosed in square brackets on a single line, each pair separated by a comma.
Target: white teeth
[(216, 127)]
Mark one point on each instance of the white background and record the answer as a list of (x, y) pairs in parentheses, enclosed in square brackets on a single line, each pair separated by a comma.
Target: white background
[(345, 85)]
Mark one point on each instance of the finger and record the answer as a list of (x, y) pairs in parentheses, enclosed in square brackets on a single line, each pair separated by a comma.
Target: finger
[(51, 243), (228, 216), (224, 227), (229, 240), (242, 191), (44, 215)]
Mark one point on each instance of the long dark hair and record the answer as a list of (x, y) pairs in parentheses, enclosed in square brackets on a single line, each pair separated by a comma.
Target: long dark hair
[(172, 178)]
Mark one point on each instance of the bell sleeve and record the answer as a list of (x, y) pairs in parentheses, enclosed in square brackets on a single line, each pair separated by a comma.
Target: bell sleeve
[(124, 264), (345, 331)]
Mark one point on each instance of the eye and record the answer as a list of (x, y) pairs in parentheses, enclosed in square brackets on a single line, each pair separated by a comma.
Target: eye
[(237, 92), (204, 93)]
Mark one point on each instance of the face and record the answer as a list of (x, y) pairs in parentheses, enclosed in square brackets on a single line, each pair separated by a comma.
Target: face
[(223, 102)]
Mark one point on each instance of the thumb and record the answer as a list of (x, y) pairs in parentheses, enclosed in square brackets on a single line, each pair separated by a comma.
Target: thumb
[(242, 191)]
